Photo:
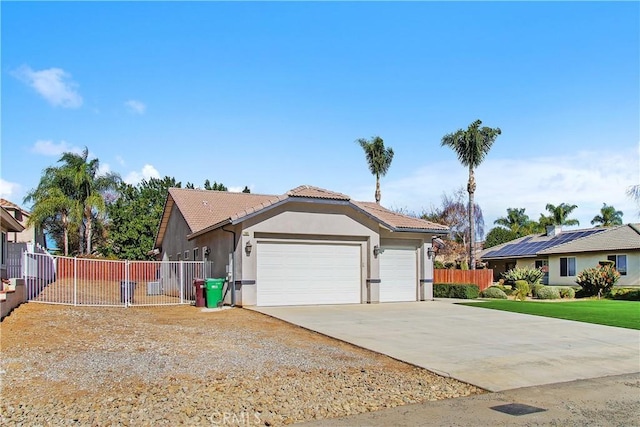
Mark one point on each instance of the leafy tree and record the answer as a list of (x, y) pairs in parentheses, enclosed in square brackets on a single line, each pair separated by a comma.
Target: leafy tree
[(246, 189), (559, 215), (518, 222), (498, 235), (190, 186), (379, 159), (53, 206), (471, 146), (134, 218), (608, 216), (215, 186)]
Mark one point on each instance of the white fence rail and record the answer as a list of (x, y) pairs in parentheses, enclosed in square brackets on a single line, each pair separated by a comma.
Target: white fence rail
[(78, 281)]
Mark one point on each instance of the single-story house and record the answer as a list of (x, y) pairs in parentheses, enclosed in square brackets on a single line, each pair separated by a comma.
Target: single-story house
[(8, 224), (308, 246), (564, 254)]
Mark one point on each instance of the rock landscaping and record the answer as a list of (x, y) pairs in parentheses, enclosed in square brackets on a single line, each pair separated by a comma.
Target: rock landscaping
[(178, 365)]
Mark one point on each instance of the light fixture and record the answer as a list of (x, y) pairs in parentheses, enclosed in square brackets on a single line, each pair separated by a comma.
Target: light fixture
[(430, 253), (376, 251), (248, 247), (436, 245)]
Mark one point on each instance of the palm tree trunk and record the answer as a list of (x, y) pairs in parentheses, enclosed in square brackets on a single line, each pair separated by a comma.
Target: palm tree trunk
[(378, 195), (65, 229), (471, 188), (88, 231)]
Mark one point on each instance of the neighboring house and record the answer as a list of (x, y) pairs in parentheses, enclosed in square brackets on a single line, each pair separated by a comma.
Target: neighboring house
[(564, 254), (28, 234), (8, 225), (308, 246)]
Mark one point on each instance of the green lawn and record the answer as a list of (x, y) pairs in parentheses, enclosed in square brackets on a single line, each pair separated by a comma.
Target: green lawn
[(623, 314)]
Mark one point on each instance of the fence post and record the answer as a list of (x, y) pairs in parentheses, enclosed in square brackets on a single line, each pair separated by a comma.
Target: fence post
[(126, 284), (181, 281), (75, 281)]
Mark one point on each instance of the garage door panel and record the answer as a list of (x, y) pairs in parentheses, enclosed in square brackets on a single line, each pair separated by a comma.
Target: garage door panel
[(398, 275), (302, 273)]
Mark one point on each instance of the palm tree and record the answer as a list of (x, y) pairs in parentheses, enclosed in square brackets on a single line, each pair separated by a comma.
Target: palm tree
[(52, 201), (378, 157), (608, 216), (88, 189), (471, 147), (516, 220), (559, 215)]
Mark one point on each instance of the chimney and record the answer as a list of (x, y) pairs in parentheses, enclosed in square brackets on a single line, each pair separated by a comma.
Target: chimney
[(553, 230)]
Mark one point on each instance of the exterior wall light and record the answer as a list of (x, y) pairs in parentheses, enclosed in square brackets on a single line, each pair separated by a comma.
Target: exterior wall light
[(248, 247), (377, 251)]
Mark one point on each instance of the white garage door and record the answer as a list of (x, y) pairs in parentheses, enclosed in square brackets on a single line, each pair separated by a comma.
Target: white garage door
[(302, 274), (398, 275)]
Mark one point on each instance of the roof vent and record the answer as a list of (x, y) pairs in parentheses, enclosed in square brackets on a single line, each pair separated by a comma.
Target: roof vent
[(553, 230)]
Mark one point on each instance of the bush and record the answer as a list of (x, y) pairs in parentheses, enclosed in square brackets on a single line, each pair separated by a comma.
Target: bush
[(598, 280), (438, 265), (626, 294), (567, 293), (449, 265), (464, 265), (494, 292), (455, 290), (535, 289), (522, 290), (548, 292), (531, 275)]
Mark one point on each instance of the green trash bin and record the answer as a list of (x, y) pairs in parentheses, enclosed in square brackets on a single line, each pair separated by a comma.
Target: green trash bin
[(213, 292)]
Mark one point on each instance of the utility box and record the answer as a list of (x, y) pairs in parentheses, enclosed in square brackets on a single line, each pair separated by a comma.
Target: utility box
[(153, 288)]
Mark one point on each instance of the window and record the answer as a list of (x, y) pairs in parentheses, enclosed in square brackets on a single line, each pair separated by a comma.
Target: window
[(567, 267), (3, 249), (196, 254), (620, 263), (179, 256), (186, 255)]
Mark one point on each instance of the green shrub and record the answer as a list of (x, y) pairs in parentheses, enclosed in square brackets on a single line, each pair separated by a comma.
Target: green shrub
[(464, 265), (506, 289), (531, 275), (566, 292), (449, 265), (438, 265), (598, 280), (548, 292), (535, 289), (494, 292), (606, 262), (522, 290), (626, 294), (455, 290)]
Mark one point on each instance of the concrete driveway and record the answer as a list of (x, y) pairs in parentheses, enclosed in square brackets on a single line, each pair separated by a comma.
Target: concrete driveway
[(492, 349)]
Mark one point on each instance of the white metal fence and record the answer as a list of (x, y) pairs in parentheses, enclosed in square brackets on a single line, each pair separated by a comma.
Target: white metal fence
[(79, 281)]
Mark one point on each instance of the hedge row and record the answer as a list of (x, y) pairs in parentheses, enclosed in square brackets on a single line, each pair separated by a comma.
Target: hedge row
[(455, 290)]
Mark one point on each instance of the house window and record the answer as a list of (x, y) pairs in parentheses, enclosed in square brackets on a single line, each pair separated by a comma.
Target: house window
[(186, 255), (567, 267), (3, 249), (196, 254), (179, 256), (620, 263)]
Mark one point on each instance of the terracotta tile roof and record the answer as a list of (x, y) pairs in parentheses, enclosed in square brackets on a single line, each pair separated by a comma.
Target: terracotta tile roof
[(10, 205), (205, 210), (317, 193), (9, 222), (397, 220), (620, 238)]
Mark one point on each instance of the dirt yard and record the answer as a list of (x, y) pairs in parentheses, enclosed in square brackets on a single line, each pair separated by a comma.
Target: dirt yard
[(177, 365)]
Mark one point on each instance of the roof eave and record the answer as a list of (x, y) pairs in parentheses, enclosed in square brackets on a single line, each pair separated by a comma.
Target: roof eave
[(210, 228)]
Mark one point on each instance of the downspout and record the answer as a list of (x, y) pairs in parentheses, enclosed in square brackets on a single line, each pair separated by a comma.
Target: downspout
[(233, 268)]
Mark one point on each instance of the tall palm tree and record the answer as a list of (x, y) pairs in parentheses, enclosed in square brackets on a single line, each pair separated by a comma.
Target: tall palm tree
[(378, 157), (471, 146), (52, 201), (559, 215), (608, 216)]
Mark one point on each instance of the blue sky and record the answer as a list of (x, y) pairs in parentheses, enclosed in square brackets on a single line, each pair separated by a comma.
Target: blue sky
[(273, 95)]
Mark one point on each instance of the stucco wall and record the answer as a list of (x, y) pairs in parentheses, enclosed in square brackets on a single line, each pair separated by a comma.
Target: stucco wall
[(583, 261)]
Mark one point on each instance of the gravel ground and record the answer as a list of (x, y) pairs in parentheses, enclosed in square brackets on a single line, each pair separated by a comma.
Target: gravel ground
[(177, 365)]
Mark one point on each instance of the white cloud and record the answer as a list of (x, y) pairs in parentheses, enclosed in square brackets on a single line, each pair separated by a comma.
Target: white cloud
[(120, 160), (135, 107), (10, 190), (50, 148), (147, 172), (586, 179), (53, 84), (103, 169)]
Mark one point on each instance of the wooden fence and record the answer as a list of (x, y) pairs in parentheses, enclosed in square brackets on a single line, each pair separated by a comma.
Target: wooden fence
[(483, 278)]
